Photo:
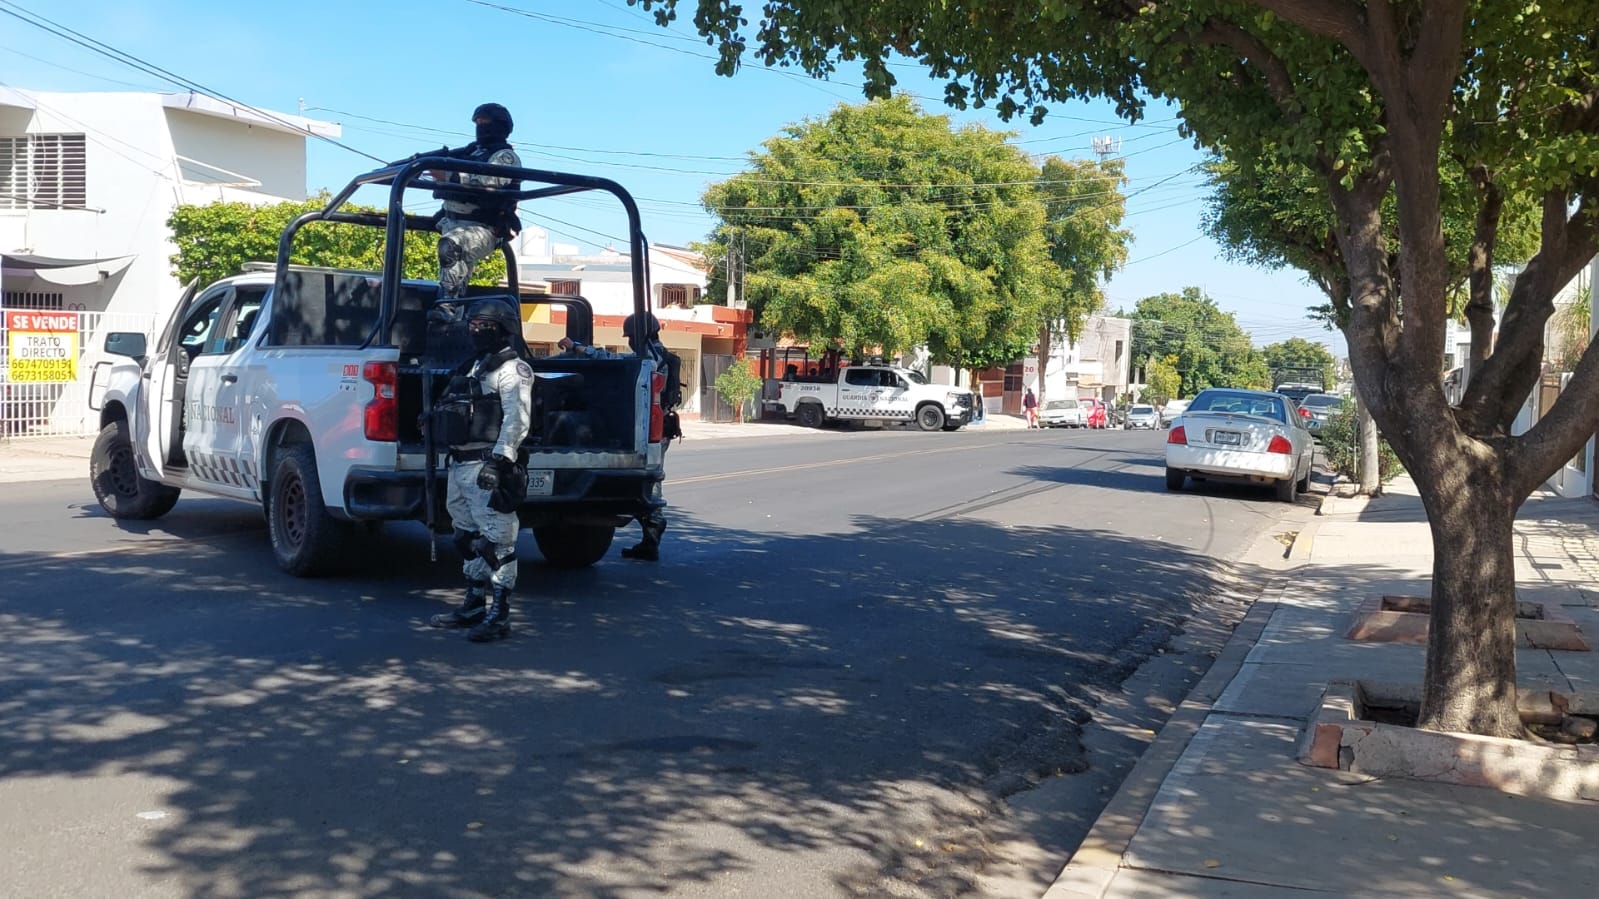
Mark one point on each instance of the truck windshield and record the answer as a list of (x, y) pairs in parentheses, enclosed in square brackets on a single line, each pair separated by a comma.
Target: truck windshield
[(914, 376)]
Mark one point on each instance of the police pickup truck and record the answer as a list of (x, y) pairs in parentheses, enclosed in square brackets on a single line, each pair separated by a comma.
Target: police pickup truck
[(876, 393), (304, 390)]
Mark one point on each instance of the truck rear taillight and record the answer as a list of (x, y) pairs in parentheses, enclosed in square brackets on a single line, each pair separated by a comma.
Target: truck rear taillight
[(383, 412), (657, 414)]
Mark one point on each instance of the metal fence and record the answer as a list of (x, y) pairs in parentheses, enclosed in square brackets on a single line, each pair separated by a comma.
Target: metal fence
[(60, 408)]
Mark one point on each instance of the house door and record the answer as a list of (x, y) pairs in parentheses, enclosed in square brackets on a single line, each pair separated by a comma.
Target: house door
[(712, 406)]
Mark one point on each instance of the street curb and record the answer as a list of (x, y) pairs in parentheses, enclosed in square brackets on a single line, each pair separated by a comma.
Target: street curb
[(1094, 865), (1305, 542)]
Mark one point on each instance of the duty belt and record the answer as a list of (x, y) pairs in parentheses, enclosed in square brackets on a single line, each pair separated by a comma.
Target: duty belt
[(471, 455)]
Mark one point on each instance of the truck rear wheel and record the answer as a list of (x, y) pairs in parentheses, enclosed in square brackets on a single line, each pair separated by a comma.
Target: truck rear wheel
[(809, 415), (306, 540), (930, 418), (574, 545), (122, 491)]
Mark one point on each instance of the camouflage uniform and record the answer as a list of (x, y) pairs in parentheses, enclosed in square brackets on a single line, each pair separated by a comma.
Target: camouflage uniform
[(464, 240)]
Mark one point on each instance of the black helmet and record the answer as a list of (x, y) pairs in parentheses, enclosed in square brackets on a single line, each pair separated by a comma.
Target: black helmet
[(499, 122), (499, 311), (652, 326)]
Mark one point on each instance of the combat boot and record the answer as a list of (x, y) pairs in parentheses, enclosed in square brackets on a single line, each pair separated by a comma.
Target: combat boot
[(497, 623), (469, 612)]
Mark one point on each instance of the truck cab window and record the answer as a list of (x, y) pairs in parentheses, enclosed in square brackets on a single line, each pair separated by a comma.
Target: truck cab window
[(198, 326)]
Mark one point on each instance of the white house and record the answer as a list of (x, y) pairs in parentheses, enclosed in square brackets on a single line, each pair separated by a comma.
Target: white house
[(87, 182)]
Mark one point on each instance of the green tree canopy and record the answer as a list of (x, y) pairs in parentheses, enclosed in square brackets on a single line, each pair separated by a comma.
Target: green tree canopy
[(881, 228), (215, 240), (1205, 344), (1297, 359), (1370, 98), (1161, 380)]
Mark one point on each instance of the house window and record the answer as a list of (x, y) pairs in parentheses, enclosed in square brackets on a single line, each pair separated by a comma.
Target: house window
[(565, 287), (43, 171), (679, 295), (28, 299)]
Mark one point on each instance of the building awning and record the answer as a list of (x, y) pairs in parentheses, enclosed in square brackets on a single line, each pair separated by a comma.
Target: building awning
[(63, 272)]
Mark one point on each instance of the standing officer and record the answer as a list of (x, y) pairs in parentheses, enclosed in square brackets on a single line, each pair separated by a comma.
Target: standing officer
[(483, 417), (470, 226)]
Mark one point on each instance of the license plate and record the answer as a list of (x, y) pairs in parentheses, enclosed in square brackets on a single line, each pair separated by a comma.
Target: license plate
[(1227, 438), (540, 482)]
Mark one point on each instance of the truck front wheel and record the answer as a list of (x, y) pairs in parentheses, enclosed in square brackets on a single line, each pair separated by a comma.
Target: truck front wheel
[(809, 415), (306, 540), (930, 418), (121, 490), (574, 545)]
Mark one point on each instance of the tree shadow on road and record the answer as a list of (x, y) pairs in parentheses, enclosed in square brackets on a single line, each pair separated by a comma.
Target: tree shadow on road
[(867, 699)]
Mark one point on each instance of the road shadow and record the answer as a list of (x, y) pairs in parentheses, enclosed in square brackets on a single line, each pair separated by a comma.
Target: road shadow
[(870, 696)]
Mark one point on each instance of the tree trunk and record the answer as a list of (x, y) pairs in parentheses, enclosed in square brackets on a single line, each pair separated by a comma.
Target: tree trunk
[(1369, 474), (1470, 682)]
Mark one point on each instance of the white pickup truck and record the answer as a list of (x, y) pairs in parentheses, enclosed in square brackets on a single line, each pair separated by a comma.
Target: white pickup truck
[(304, 390), (876, 393)]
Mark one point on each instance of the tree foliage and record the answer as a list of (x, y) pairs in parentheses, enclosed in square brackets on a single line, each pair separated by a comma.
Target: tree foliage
[(1340, 442), (1371, 98), (738, 385), (215, 240), (1161, 380), (1203, 343), (880, 228), (1291, 359)]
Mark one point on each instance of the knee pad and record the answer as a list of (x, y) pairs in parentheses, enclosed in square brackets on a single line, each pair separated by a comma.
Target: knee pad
[(466, 543), (450, 252), (484, 548)]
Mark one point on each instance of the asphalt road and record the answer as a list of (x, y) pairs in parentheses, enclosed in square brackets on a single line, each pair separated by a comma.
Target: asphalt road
[(858, 651)]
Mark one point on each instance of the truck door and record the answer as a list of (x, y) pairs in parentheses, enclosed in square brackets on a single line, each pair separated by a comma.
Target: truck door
[(159, 432), (857, 393), (189, 382), (217, 395), (890, 399)]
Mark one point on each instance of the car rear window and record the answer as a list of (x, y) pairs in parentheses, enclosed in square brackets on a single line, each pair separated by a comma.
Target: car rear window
[(1322, 399), (1240, 404)]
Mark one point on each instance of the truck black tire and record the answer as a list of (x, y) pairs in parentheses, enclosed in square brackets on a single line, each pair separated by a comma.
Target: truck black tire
[(306, 540), (121, 490), (930, 417), (810, 415), (574, 545)]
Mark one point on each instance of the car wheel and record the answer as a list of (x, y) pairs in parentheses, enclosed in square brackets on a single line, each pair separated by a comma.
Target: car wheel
[(574, 545), (1288, 489), (1175, 478), (809, 415), (930, 417), (306, 540), (114, 475)]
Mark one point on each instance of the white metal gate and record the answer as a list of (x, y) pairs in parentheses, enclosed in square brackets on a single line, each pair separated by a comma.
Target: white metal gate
[(29, 409)]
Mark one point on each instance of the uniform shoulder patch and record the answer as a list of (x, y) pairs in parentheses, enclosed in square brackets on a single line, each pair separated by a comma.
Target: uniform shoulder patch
[(523, 369)]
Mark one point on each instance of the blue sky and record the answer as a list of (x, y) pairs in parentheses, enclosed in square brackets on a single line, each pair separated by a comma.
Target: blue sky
[(596, 87)]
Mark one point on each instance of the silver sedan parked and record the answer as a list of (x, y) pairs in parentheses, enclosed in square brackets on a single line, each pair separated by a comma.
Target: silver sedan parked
[(1241, 435), (1140, 415)]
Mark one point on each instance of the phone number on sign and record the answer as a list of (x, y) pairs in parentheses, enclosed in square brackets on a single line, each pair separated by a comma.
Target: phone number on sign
[(43, 370)]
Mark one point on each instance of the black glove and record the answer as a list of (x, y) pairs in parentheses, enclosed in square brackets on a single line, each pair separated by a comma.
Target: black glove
[(495, 469)]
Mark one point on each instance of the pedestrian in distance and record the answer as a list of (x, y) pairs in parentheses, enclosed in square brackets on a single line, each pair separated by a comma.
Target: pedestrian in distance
[(483, 417), (469, 225), (1030, 408)]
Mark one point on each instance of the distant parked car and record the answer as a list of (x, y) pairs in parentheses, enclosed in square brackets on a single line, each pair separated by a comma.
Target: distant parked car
[(1061, 414), (1241, 435), (1142, 416), (1317, 409), (1171, 410), (1094, 414)]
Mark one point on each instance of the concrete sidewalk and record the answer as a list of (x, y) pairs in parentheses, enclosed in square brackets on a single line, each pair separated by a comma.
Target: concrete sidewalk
[(1219, 804), (63, 458)]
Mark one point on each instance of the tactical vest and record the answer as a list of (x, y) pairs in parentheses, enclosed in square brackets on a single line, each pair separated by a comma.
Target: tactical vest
[(500, 215), (465, 414)]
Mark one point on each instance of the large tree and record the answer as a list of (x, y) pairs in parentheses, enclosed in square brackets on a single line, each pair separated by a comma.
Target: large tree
[(1204, 343), (1365, 95), (1085, 205), (881, 228)]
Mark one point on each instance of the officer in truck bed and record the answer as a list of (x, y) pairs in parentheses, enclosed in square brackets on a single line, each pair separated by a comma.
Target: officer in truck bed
[(471, 226)]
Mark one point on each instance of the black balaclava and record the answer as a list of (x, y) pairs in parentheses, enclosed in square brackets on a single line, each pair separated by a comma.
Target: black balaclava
[(498, 126)]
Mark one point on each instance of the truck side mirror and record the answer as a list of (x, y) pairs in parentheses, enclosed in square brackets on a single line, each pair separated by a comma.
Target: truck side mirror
[(125, 343)]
